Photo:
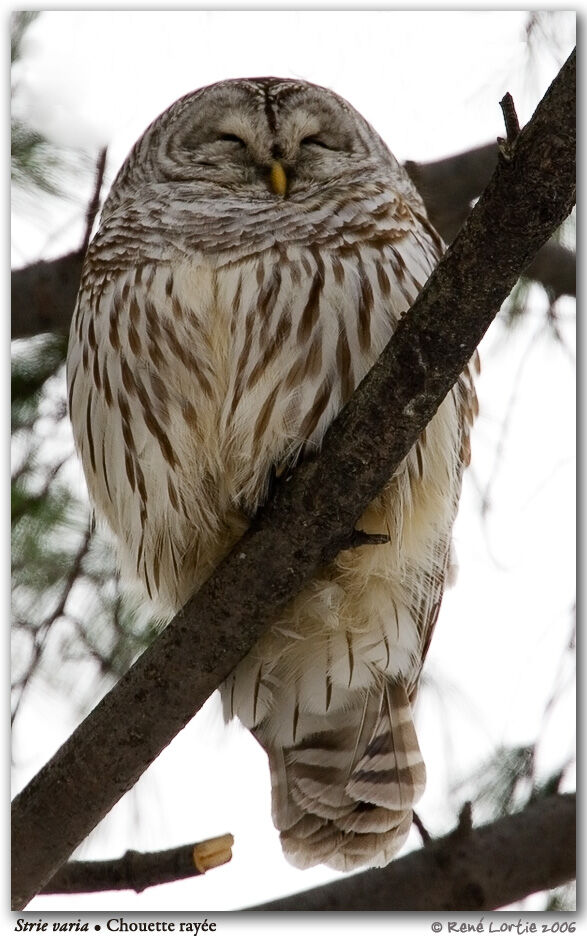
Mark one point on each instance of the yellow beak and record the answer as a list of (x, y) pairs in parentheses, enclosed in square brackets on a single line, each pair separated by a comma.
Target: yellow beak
[(278, 178)]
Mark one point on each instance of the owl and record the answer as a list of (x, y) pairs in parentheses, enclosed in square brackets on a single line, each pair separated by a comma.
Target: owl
[(254, 256)]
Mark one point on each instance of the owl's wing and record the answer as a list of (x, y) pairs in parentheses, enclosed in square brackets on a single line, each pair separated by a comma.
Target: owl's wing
[(144, 382), (426, 580)]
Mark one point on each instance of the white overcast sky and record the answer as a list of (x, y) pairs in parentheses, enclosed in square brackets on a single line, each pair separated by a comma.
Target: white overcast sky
[(430, 82)]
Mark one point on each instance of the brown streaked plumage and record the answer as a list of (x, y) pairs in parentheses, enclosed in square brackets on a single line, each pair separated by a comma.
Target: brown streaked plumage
[(255, 254)]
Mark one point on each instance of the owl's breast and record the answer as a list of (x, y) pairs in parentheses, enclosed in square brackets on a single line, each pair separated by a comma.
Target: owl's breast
[(192, 377)]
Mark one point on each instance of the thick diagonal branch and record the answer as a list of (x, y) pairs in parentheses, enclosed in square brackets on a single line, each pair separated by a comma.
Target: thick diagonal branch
[(312, 515), (488, 868)]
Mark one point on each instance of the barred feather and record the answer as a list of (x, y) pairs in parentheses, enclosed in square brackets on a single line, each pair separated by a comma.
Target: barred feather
[(219, 329)]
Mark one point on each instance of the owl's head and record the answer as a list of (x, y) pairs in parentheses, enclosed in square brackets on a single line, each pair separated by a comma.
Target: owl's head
[(260, 137)]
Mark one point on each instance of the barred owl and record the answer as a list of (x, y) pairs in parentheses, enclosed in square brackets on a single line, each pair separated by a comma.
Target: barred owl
[(254, 256)]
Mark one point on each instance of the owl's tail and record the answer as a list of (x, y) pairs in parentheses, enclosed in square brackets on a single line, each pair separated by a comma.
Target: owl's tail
[(343, 796)]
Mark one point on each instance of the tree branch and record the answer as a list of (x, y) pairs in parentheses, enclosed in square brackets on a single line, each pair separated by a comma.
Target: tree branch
[(555, 268), (43, 295), (488, 868), (94, 204), (448, 187), (312, 514), (139, 870)]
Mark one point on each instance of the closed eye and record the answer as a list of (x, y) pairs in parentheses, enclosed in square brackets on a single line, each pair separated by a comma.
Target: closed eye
[(231, 138), (315, 141)]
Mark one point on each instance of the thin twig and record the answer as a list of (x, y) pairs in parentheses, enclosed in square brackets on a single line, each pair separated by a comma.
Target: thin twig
[(512, 126), (465, 824), (41, 632), (424, 833), (94, 204)]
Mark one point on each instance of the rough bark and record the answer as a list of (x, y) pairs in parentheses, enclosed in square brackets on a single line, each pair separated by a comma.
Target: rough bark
[(313, 513), (483, 869)]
